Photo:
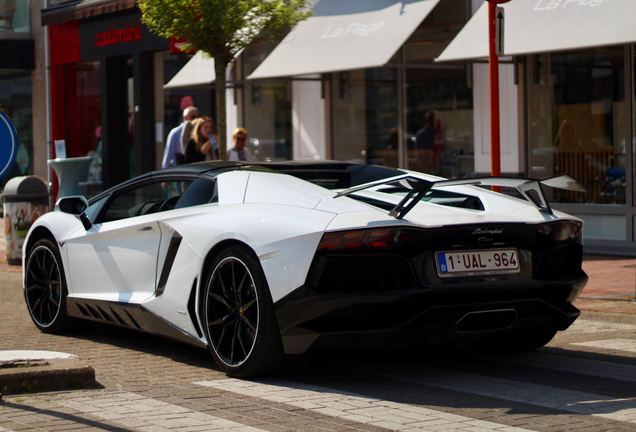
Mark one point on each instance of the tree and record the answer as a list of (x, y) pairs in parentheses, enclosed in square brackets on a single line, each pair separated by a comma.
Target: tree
[(221, 28)]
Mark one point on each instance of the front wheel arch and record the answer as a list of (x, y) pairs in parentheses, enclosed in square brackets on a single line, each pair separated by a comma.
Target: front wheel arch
[(205, 269), (45, 285), (268, 347), (38, 233)]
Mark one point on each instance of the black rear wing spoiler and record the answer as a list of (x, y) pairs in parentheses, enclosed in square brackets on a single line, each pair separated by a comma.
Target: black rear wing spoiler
[(530, 189)]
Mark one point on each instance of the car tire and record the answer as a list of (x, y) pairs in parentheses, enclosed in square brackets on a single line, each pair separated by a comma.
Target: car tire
[(45, 288), (238, 315)]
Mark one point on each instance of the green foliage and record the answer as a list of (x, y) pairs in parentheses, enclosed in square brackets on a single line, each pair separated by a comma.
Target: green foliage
[(220, 27)]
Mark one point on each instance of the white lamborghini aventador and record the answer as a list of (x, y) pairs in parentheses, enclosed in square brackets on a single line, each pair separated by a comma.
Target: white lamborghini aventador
[(254, 261)]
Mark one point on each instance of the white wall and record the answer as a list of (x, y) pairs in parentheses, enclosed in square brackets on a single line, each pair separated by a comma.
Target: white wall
[(308, 121), (512, 155)]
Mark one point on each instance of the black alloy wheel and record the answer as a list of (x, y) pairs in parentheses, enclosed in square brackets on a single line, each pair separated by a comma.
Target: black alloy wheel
[(45, 287), (239, 322)]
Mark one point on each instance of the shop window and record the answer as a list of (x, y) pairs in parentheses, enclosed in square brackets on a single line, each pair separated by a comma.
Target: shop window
[(83, 119), (577, 122), (365, 116), (437, 109), (14, 16), (267, 108), (439, 118)]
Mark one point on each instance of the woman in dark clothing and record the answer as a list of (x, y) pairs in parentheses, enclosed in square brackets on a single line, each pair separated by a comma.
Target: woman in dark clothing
[(202, 145)]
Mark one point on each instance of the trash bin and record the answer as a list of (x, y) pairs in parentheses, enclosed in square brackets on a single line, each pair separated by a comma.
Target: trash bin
[(25, 199)]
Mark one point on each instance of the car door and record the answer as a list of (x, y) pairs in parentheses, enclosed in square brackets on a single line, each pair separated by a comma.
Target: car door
[(116, 259)]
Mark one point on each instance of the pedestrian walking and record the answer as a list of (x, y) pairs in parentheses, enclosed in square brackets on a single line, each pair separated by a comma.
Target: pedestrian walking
[(239, 152), (173, 153), (201, 145)]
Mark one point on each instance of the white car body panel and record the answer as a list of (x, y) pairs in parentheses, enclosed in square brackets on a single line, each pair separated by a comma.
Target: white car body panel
[(283, 237), (265, 188), (172, 304), (115, 259), (231, 187), (61, 226)]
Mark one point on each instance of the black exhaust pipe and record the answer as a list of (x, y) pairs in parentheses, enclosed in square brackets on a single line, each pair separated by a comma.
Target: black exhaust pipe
[(486, 321)]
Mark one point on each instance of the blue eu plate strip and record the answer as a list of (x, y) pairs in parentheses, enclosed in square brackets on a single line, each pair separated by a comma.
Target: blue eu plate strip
[(441, 263)]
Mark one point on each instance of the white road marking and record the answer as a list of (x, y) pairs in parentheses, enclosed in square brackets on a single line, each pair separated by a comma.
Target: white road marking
[(361, 409), (590, 326), (628, 345), (619, 409), (138, 412), (597, 368)]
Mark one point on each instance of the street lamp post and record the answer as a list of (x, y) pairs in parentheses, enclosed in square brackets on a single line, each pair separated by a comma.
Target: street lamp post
[(493, 62)]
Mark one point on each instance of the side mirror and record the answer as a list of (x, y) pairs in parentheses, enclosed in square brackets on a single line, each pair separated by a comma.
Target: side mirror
[(75, 204)]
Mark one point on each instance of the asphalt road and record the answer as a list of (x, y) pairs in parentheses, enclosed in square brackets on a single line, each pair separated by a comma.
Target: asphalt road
[(585, 380)]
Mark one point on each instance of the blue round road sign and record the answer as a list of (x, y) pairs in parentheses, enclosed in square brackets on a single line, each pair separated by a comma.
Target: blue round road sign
[(8, 143)]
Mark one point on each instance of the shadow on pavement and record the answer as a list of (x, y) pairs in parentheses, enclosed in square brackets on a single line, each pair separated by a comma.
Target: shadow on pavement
[(64, 416), (404, 376), (142, 342)]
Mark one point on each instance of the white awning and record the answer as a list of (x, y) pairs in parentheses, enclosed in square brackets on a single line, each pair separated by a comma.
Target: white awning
[(345, 35), (199, 70), (534, 26)]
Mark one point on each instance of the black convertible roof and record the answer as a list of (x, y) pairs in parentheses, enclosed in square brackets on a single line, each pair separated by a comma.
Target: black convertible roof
[(329, 174), (325, 173), (211, 166)]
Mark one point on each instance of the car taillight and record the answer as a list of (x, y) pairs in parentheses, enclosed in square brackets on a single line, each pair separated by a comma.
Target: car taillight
[(562, 230), (377, 238)]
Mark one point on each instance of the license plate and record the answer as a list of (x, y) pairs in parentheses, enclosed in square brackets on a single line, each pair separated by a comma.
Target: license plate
[(477, 262)]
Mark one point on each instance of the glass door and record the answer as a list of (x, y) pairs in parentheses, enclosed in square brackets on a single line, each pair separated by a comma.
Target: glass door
[(365, 116)]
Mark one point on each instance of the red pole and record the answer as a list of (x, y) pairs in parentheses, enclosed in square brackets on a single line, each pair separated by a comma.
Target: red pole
[(493, 61)]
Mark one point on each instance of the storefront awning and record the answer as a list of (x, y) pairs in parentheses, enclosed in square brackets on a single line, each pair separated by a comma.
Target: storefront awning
[(62, 11), (199, 70), (345, 35), (534, 26)]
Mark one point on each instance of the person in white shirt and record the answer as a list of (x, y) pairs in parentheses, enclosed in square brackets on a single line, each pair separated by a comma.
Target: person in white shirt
[(173, 153), (239, 152)]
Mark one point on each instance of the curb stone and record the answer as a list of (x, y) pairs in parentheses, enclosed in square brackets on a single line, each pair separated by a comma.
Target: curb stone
[(32, 376)]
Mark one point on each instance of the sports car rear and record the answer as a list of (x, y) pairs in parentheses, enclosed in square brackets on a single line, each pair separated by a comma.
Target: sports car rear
[(396, 286)]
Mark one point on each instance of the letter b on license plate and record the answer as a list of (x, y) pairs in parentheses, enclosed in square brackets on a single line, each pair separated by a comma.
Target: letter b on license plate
[(477, 262)]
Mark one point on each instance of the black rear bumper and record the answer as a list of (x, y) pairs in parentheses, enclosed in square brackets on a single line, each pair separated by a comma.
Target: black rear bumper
[(364, 297), (309, 319)]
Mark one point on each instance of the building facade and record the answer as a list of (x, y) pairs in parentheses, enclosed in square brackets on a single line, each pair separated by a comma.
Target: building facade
[(107, 72), (576, 89), (363, 81), (568, 107)]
